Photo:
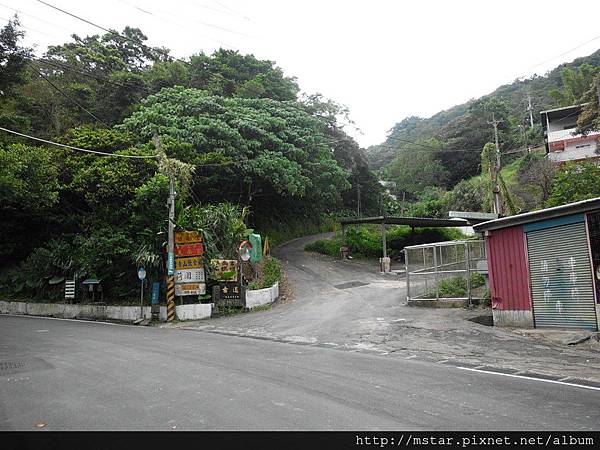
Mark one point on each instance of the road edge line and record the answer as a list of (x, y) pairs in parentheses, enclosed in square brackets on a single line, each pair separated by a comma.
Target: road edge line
[(523, 377)]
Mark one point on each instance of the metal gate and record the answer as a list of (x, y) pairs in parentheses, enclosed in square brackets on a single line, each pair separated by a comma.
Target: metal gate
[(561, 276)]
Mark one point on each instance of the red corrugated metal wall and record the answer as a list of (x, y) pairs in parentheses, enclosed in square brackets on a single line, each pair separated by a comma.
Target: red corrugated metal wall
[(508, 269)]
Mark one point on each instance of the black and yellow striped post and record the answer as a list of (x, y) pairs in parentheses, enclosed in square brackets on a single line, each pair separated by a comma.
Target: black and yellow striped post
[(170, 298)]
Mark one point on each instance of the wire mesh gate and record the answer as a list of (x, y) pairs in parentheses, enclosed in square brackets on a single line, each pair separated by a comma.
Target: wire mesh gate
[(454, 270)]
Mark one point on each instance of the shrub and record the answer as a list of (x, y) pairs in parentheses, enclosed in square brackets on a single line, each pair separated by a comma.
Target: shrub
[(270, 272), (477, 280)]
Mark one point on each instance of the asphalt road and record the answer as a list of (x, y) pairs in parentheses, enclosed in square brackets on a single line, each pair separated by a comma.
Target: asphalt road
[(74, 375), (289, 368)]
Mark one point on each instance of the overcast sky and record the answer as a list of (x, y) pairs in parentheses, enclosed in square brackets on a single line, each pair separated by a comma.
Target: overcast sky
[(385, 60)]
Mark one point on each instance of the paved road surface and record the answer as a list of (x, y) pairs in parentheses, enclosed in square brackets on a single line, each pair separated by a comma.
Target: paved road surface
[(92, 376), (292, 375), (372, 316)]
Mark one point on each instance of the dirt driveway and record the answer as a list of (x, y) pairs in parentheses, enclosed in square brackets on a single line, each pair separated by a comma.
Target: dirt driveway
[(350, 305)]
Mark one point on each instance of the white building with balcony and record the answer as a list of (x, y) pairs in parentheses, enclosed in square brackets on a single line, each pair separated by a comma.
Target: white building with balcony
[(562, 142)]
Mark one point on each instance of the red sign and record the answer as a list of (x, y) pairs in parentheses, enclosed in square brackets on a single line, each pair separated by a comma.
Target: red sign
[(189, 250)]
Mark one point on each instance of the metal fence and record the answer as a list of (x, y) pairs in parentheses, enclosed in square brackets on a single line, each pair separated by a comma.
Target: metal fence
[(454, 270)]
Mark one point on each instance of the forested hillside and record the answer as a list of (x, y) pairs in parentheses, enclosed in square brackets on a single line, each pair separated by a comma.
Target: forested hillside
[(442, 163), (249, 151), (455, 137)]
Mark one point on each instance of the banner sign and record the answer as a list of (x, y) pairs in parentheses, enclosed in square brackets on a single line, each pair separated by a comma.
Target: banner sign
[(187, 237), (190, 276), (189, 249), (190, 289)]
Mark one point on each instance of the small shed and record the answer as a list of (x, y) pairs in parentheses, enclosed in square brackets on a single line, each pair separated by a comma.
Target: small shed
[(544, 267)]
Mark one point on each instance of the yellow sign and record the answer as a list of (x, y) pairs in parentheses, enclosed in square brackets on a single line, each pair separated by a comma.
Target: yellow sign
[(190, 289), (187, 237), (193, 262)]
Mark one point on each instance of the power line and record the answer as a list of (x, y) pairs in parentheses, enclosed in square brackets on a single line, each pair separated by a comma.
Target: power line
[(179, 24), (77, 148), (565, 53), (112, 32), (68, 97)]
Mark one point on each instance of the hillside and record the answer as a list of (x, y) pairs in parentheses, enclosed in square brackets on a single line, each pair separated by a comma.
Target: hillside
[(465, 127)]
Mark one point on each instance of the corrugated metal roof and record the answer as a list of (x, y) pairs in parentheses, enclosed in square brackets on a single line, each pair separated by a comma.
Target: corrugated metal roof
[(411, 221), (548, 213)]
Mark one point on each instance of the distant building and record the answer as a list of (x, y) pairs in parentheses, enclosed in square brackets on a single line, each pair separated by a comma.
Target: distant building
[(562, 142)]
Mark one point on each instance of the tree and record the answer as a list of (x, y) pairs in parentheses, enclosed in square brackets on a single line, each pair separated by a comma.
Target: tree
[(575, 83), (536, 175), (414, 169), (13, 57), (231, 74), (589, 119), (108, 53), (575, 182), (254, 151), (29, 189), (469, 195)]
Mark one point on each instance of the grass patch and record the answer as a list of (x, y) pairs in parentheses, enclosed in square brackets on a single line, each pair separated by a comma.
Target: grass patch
[(262, 308)]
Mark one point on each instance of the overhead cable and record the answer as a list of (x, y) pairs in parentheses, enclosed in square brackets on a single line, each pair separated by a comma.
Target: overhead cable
[(77, 148)]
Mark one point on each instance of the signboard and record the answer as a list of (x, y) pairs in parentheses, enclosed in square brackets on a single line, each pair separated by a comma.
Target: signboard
[(190, 289), (230, 290), (187, 237), (195, 262), (189, 249), (171, 264), (155, 293), (190, 276), (225, 269)]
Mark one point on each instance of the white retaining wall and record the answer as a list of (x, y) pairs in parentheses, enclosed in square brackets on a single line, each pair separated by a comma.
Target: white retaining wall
[(102, 312), (261, 297)]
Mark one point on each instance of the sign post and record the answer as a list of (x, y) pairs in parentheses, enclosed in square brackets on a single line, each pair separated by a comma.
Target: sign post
[(142, 277)]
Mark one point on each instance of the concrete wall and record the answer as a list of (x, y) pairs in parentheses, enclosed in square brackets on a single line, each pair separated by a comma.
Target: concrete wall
[(575, 151), (261, 297), (103, 312), (193, 312), (513, 319)]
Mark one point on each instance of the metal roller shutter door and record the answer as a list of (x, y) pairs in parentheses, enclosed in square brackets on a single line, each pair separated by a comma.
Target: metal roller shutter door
[(561, 277)]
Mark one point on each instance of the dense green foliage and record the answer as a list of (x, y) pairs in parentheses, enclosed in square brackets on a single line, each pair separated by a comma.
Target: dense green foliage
[(365, 241), (245, 149), (454, 138), (575, 182)]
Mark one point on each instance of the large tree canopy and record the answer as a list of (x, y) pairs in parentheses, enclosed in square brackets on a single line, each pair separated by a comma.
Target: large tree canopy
[(261, 149)]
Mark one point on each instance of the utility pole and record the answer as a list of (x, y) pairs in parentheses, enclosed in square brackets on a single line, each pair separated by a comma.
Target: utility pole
[(171, 243), (171, 250), (496, 172), (530, 109)]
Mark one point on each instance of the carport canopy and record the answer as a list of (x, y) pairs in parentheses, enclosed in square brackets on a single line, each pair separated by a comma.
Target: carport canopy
[(413, 222)]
